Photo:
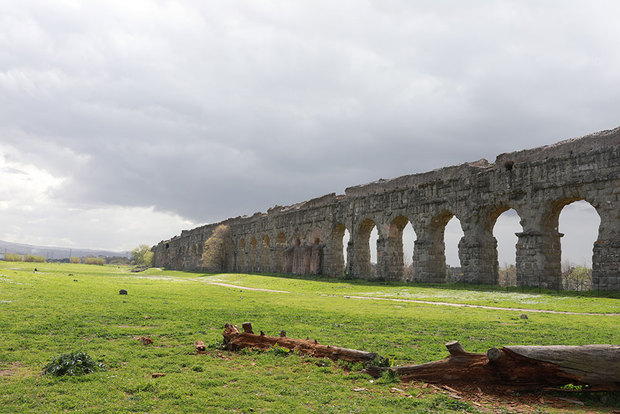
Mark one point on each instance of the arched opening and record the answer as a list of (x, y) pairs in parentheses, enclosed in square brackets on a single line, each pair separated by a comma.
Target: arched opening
[(315, 264), (453, 234), (399, 251), (253, 253), (346, 238), (445, 233), (242, 256), (409, 238), (297, 260), (266, 255), (230, 262), (339, 243), (279, 253), (365, 255), (579, 222), (505, 230)]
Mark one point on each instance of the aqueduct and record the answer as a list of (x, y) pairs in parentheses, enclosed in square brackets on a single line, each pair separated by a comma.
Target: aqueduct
[(307, 238)]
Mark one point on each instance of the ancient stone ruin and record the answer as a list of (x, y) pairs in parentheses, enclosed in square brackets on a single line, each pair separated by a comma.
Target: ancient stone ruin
[(307, 238)]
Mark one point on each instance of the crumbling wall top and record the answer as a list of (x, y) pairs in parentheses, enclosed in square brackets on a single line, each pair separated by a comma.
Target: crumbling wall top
[(588, 143)]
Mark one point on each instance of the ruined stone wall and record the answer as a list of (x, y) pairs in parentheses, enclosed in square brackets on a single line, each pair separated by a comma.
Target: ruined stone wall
[(306, 238)]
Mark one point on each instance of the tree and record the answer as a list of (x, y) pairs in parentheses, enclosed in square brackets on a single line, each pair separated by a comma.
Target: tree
[(75, 260), (99, 261), (577, 278), (215, 255), (34, 258), (142, 256)]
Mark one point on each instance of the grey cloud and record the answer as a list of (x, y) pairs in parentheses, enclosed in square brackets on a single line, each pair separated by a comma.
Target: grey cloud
[(211, 109)]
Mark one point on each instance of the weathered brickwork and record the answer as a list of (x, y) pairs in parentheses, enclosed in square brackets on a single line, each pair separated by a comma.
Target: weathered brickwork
[(307, 238)]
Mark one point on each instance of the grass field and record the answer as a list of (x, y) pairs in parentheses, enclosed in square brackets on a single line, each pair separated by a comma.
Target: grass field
[(62, 308)]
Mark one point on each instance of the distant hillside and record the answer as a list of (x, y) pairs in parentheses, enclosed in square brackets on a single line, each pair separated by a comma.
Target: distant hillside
[(55, 253)]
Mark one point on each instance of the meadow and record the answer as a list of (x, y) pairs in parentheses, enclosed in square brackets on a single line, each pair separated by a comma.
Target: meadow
[(75, 307)]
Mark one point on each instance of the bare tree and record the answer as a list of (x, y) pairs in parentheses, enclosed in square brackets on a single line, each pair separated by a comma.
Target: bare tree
[(507, 275), (215, 255)]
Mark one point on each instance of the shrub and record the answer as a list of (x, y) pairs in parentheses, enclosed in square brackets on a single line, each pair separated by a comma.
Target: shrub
[(507, 275), (12, 257), (74, 363), (576, 278), (75, 260), (34, 258), (94, 260)]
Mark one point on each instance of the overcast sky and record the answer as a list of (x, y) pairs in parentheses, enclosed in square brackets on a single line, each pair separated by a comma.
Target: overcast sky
[(124, 122)]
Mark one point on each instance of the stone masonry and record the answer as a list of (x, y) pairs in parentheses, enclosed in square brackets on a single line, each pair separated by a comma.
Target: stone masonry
[(307, 238)]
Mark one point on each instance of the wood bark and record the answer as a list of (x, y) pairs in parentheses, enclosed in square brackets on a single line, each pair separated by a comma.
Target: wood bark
[(597, 367), (235, 340), (525, 367)]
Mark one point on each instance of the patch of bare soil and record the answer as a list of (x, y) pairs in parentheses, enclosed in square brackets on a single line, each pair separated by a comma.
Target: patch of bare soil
[(10, 370), (500, 399)]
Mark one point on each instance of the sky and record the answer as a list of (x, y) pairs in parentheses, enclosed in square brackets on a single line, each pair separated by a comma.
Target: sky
[(124, 122)]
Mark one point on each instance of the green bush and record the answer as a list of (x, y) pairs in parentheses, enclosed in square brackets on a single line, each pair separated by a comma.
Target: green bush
[(12, 257), (75, 260), (94, 260), (34, 258), (74, 363)]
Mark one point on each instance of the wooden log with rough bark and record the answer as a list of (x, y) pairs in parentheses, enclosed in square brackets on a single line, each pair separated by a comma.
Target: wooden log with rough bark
[(526, 367), (235, 340)]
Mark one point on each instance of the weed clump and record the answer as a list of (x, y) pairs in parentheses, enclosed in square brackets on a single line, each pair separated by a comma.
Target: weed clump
[(73, 363)]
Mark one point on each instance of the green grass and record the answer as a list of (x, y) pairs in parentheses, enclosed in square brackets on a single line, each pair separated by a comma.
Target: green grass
[(73, 307)]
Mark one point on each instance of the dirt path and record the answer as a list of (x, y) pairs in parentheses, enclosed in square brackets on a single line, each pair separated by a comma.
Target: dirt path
[(425, 302), (465, 305), (241, 287)]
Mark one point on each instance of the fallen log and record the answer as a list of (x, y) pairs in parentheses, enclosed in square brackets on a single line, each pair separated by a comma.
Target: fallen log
[(235, 340), (596, 367)]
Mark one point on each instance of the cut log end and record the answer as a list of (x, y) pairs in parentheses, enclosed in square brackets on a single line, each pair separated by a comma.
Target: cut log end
[(494, 354), (247, 327), (455, 348)]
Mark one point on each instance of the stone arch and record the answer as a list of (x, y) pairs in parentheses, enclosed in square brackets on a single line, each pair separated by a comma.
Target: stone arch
[(266, 254), (336, 261), (361, 249), (315, 255), (280, 247), (242, 256), (394, 254), (429, 260), (539, 247), (298, 256), (252, 256), (488, 251), (587, 240), (230, 257)]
